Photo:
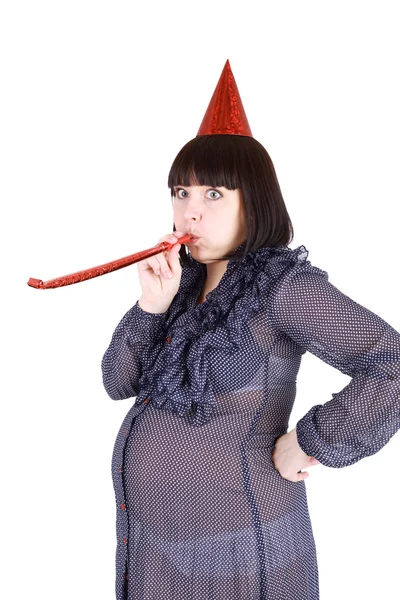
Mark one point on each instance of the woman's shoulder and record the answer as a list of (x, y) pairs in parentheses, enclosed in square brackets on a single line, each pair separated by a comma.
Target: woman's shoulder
[(270, 264)]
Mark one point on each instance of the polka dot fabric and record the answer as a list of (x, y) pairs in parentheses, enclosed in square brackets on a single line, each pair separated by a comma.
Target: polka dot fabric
[(202, 513)]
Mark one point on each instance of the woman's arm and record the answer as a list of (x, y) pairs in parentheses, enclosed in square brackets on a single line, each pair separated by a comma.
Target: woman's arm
[(360, 419), (121, 364)]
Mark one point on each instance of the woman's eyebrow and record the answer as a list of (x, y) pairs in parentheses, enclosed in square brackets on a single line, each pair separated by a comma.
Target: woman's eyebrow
[(208, 187), (205, 186)]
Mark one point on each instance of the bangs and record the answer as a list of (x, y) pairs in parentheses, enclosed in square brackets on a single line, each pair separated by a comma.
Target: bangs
[(207, 160)]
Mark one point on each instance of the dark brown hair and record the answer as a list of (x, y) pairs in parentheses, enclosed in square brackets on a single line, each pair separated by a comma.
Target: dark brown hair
[(236, 161)]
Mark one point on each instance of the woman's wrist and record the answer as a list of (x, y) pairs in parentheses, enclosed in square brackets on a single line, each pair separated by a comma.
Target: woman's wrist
[(151, 307)]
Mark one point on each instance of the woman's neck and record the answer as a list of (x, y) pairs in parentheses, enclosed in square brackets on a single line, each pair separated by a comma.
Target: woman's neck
[(215, 272)]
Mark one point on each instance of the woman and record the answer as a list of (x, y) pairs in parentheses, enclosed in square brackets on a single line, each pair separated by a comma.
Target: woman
[(211, 500)]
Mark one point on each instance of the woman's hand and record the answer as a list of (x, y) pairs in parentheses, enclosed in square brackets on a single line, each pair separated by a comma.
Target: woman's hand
[(289, 458), (160, 276)]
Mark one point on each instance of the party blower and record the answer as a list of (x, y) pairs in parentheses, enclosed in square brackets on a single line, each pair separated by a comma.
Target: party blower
[(108, 267)]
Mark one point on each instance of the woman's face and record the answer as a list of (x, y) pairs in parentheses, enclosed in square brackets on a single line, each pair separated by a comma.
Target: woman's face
[(214, 215)]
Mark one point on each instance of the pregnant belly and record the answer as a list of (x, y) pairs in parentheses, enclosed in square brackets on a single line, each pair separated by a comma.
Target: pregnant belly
[(199, 479), (189, 476)]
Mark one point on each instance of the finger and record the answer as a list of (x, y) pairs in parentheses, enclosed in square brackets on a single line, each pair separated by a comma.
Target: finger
[(151, 264), (173, 250), (164, 265), (161, 263), (173, 237), (173, 265), (302, 475), (170, 260), (168, 237), (174, 258), (175, 241)]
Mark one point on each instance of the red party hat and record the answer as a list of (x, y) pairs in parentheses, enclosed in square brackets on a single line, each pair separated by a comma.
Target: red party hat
[(225, 113)]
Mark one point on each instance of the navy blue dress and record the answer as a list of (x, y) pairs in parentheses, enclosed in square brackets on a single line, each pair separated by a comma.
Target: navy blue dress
[(202, 513)]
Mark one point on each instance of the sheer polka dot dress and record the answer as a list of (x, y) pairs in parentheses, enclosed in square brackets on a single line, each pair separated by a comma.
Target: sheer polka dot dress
[(202, 513)]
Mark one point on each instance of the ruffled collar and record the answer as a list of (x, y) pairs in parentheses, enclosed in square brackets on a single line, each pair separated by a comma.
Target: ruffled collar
[(175, 368)]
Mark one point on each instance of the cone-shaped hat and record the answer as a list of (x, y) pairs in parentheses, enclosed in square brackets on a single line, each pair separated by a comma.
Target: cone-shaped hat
[(225, 113)]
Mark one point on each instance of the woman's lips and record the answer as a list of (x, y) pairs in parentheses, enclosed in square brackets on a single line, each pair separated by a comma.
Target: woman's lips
[(193, 239)]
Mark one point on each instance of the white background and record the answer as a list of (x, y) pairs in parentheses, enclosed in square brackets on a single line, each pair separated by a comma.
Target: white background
[(97, 98)]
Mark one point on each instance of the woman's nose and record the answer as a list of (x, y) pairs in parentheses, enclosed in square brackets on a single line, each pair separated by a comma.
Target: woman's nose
[(192, 211)]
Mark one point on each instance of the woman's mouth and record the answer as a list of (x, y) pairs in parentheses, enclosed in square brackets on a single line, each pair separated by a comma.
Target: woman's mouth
[(193, 239)]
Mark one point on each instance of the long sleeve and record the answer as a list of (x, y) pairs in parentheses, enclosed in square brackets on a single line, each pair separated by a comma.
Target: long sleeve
[(122, 362), (360, 419)]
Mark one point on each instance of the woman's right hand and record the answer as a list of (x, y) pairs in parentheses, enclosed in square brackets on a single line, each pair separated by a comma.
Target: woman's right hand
[(158, 288)]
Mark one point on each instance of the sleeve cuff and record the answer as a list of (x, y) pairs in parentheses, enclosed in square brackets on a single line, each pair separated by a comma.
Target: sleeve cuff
[(144, 326), (312, 444)]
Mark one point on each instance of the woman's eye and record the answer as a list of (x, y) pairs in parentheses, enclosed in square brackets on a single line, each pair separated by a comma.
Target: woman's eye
[(179, 192), (214, 194)]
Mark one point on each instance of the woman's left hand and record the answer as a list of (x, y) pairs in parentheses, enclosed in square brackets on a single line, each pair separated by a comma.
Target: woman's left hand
[(289, 458)]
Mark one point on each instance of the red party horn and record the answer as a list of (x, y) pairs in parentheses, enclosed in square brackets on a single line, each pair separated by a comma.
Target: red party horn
[(108, 267)]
